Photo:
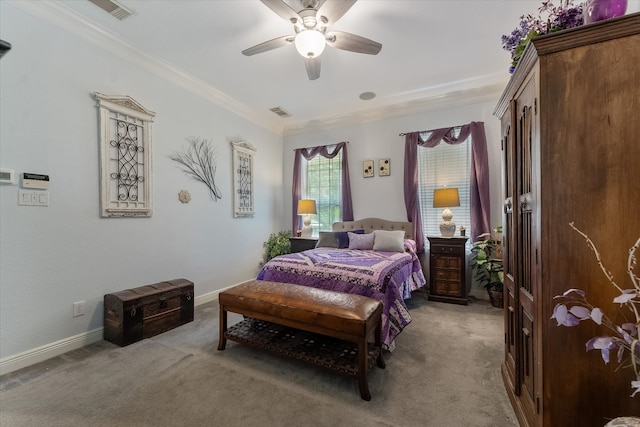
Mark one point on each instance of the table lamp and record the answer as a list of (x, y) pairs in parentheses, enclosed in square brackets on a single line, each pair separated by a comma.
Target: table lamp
[(307, 207), (446, 198)]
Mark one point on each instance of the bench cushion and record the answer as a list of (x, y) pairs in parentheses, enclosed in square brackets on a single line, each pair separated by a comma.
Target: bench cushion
[(331, 310)]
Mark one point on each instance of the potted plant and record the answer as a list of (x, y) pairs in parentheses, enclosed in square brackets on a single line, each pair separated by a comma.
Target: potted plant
[(565, 15), (277, 244), (486, 264)]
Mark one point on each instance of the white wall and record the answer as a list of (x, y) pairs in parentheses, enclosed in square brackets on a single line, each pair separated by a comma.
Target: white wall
[(383, 197), (53, 256)]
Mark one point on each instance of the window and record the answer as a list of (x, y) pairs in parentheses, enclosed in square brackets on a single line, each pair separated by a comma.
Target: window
[(323, 183), (444, 165)]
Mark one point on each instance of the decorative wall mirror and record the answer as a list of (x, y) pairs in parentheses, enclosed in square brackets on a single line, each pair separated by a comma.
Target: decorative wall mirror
[(243, 154), (125, 157)]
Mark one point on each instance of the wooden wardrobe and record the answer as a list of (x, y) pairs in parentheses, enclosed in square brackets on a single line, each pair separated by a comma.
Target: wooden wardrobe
[(571, 154)]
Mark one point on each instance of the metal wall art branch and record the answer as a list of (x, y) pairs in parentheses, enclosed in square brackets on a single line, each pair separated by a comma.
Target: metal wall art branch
[(199, 162)]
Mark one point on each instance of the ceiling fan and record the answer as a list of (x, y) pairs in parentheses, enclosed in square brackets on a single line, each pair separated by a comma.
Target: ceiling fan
[(310, 26)]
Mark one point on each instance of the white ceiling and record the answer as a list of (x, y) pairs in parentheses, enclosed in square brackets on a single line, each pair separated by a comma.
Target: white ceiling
[(430, 49)]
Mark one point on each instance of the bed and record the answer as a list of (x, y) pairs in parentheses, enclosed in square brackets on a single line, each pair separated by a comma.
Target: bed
[(379, 261)]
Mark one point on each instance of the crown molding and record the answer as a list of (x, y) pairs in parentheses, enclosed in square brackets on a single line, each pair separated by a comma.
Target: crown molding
[(70, 21)]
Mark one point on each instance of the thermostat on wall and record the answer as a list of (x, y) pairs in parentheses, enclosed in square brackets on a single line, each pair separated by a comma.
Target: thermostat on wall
[(35, 180), (7, 176)]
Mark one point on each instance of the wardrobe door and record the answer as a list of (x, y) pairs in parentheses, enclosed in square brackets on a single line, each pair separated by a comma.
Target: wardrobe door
[(509, 227), (523, 271)]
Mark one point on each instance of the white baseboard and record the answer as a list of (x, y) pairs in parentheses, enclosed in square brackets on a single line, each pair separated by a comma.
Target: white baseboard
[(47, 351)]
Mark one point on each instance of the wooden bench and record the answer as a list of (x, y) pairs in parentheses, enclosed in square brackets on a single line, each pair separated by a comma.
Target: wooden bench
[(326, 328)]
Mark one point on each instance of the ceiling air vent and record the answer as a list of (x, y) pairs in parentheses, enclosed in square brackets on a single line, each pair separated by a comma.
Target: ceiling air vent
[(114, 8), (279, 111)]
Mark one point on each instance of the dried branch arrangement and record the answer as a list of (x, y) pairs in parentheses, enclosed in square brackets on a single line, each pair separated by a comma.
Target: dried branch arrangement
[(573, 307), (198, 161)]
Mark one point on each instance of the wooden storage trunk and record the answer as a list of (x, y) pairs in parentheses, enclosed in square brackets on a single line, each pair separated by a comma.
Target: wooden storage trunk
[(143, 312)]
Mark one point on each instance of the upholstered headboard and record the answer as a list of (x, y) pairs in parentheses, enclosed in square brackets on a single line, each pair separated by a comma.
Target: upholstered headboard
[(370, 224)]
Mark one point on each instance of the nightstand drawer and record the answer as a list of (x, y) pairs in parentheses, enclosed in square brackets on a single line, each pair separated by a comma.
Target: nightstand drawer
[(448, 274), (449, 288), (447, 249), (443, 261)]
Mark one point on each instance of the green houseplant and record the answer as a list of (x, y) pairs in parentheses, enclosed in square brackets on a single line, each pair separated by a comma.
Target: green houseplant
[(486, 264), (277, 244)]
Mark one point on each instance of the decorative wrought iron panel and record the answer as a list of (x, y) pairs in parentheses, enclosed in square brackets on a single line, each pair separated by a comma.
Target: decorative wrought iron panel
[(243, 154), (126, 161), (125, 141)]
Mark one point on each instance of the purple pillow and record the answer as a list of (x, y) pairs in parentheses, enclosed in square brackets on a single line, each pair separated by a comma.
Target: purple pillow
[(361, 241), (343, 238)]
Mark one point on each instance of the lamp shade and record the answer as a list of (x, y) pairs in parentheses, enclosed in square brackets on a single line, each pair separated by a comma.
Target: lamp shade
[(306, 207), (446, 198), (310, 43)]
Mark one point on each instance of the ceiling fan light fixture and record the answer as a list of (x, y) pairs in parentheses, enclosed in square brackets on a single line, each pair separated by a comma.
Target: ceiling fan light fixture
[(310, 43)]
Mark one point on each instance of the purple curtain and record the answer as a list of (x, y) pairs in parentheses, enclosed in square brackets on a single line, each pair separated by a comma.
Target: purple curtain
[(480, 209), (308, 154)]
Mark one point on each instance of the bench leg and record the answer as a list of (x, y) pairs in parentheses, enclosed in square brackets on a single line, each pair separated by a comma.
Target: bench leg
[(378, 343), (363, 363), (222, 341)]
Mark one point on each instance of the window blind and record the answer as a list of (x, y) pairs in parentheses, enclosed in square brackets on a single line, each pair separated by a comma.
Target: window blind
[(444, 165), (323, 184)]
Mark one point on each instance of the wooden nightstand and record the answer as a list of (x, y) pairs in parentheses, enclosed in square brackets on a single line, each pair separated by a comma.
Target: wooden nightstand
[(299, 244), (447, 269)]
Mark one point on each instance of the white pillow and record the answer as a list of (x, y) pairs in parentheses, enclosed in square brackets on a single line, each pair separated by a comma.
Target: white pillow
[(360, 241), (388, 241)]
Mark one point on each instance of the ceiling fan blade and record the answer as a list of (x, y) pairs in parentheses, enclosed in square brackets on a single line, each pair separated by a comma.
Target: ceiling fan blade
[(283, 10), (313, 67), (269, 45), (353, 43), (332, 10)]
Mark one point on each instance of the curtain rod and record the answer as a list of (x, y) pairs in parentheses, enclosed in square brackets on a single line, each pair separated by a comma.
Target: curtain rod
[(431, 130), (303, 148)]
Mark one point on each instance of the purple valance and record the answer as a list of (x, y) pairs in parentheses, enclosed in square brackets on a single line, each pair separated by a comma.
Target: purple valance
[(308, 154), (480, 209)]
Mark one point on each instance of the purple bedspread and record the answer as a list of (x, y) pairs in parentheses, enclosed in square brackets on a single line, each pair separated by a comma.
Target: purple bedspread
[(389, 277)]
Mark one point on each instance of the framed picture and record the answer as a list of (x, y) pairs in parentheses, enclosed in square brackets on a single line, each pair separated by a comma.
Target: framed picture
[(384, 167), (367, 168)]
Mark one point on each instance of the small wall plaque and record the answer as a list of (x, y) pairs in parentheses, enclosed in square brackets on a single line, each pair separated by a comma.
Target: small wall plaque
[(384, 167), (367, 168)]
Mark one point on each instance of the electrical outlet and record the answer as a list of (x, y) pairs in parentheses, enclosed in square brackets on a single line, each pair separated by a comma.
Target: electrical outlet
[(78, 308)]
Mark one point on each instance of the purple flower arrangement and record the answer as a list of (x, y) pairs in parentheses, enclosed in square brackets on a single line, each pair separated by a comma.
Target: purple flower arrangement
[(556, 18), (623, 339)]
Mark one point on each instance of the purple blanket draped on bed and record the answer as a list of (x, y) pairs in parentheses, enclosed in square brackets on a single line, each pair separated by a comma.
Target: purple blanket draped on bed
[(389, 277)]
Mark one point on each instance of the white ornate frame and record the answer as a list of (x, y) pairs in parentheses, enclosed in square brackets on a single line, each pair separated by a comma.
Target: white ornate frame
[(125, 159), (243, 160)]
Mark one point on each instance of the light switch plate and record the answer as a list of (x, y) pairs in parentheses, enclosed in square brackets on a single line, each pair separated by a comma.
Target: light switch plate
[(33, 198)]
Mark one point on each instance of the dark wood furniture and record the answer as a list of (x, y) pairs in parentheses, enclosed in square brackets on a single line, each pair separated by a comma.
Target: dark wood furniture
[(447, 269), (570, 138), (271, 308), (143, 312), (299, 244)]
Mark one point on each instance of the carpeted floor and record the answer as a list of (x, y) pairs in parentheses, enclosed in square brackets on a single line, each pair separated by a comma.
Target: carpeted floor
[(445, 371)]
